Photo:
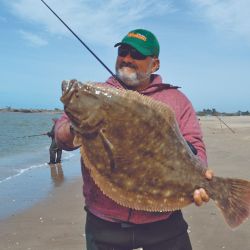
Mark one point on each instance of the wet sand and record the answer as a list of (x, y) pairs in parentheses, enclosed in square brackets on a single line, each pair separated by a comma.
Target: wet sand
[(54, 223), (58, 221)]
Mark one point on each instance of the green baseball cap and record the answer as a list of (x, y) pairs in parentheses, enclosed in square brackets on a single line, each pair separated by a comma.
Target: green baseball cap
[(142, 40)]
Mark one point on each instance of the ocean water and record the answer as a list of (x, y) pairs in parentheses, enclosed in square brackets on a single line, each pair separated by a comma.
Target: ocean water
[(19, 149), (25, 176)]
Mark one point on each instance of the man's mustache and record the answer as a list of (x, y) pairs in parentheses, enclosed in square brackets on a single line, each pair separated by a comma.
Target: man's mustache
[(129, 65)]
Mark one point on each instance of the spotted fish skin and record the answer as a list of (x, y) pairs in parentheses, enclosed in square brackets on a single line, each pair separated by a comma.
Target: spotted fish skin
[(137, 156)]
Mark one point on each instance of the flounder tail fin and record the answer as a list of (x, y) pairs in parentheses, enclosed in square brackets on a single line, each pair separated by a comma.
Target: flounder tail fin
[(233, 198)]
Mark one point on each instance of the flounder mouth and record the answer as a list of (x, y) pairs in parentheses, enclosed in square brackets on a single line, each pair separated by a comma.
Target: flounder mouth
[(70, 85), (74, 119)]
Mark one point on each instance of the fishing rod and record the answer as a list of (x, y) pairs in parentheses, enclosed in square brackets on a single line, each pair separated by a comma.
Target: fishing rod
[(80, 40), (31, 135), (224, 123)]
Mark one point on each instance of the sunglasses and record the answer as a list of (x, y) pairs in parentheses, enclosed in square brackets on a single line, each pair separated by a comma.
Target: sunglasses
[(135, 54)]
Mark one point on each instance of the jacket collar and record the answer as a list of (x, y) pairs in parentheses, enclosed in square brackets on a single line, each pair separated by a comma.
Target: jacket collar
[(155, 85)]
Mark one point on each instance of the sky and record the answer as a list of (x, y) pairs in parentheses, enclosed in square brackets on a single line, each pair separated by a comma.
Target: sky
[(204, 47)]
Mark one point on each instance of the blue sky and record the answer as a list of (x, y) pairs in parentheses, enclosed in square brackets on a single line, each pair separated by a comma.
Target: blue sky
[(205, 47)]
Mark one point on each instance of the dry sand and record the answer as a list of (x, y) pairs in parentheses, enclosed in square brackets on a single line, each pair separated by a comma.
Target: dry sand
[(58, 222), (229, 156)]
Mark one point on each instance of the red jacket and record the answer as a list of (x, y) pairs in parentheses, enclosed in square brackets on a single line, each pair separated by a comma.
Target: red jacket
[(103, 207)]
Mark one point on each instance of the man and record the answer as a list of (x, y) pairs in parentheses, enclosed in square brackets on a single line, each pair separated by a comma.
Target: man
[(109, 225), (55, 152)]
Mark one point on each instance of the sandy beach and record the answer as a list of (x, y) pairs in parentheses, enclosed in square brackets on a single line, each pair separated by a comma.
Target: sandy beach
[(57, 222)]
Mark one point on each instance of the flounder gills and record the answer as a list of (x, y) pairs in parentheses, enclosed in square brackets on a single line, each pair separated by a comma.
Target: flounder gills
[(135, 153)]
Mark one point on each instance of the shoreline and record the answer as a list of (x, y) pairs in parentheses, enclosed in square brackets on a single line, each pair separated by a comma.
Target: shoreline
[(204, 113), (33, 184), (24, 110), (57, 222)]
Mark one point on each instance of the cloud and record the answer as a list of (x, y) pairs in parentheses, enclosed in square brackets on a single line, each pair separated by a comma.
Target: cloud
[(97, 21), (228, 15), (33, 39)]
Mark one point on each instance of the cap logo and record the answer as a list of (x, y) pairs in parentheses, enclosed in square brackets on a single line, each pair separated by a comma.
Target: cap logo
[(138, 36)]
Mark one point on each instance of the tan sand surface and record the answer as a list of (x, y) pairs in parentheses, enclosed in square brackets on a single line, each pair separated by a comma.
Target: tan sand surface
[(229, 156), (53, 224), (58, 222)]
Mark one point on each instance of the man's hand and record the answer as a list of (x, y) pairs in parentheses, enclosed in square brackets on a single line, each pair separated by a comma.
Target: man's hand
[(64, 135), (200, 194)]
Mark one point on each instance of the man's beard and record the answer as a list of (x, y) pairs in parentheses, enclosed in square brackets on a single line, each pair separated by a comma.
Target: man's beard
[(130, 77)]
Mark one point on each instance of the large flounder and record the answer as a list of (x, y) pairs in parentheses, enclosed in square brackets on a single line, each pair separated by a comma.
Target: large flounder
[(136, 155)]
